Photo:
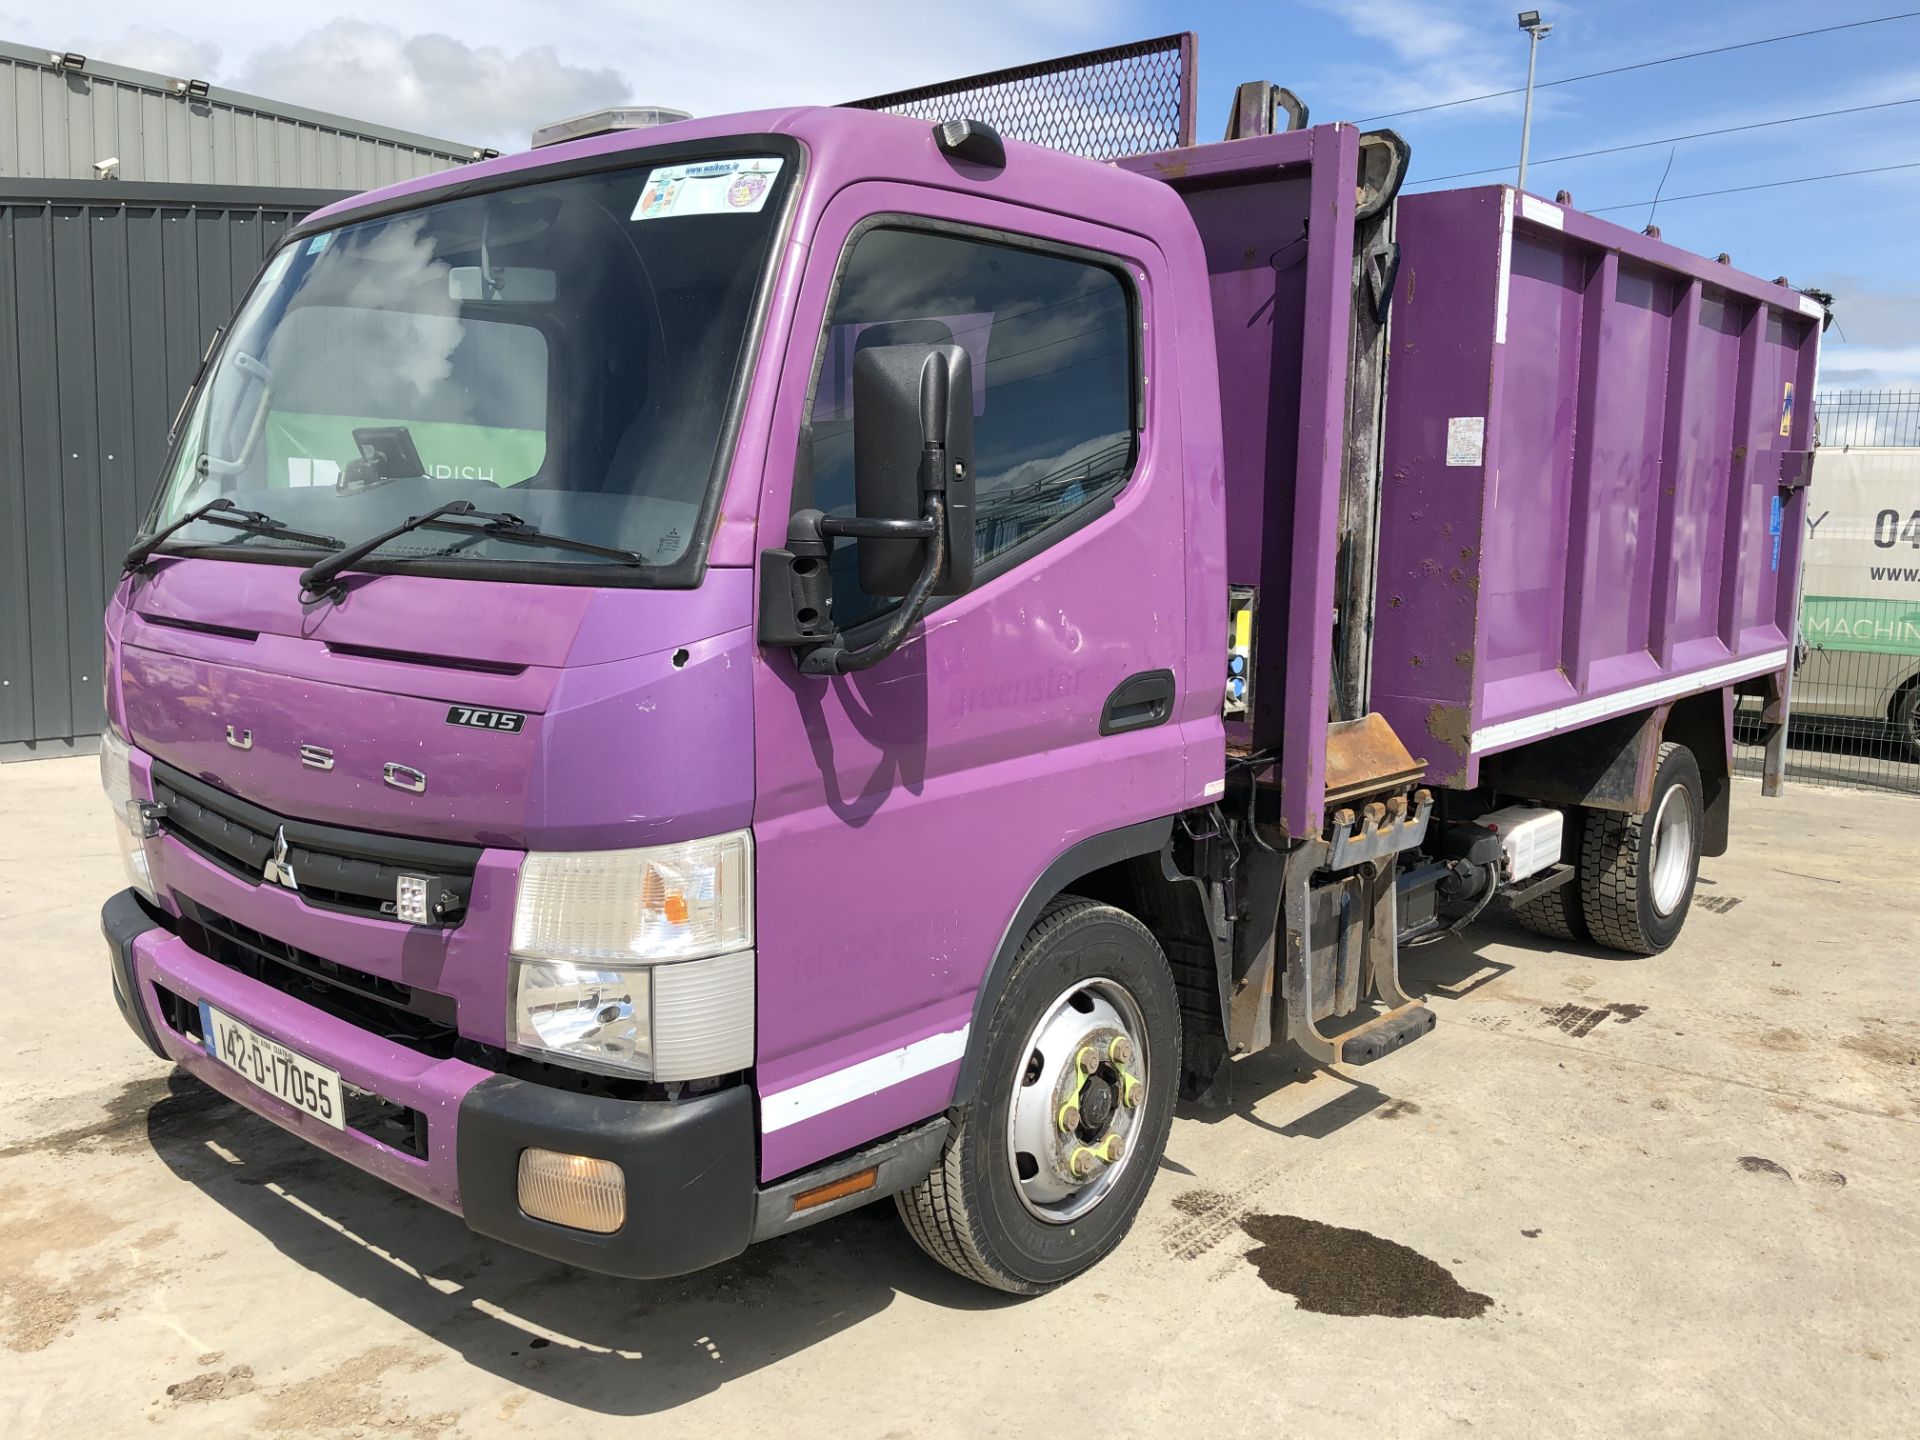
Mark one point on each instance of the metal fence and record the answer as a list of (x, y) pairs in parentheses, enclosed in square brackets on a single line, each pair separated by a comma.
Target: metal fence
[(1867, 417), (108, 295), (1855, 716), (1103, 104)]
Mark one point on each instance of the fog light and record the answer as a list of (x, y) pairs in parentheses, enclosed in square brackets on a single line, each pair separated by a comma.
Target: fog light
[(410, 899), (573, 1190)]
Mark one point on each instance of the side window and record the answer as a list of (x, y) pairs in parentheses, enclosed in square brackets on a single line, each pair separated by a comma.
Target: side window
[(1051, 340)]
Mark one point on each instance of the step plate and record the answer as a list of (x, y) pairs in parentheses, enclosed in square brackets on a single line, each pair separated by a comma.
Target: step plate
[(1387, 1034)]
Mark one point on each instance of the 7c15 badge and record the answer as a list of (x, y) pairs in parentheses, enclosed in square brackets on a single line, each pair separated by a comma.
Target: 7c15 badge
[(476, 718)]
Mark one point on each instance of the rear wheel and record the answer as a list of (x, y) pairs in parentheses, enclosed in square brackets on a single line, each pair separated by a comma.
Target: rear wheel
[(1637, 872), (1046, 1169)]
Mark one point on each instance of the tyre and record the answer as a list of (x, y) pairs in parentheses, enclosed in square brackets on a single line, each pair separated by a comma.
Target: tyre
[(1556, 914), (1905, 714), (1637, 872), (1047, 1166)]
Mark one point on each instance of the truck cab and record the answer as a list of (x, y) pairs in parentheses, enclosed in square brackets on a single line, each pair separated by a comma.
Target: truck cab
[(514, 830)]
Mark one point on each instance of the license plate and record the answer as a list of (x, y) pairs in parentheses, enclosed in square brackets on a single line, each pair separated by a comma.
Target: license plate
[(311, 1089)]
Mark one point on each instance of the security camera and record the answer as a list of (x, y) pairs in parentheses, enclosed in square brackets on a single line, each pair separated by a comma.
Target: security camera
[(107, 169)]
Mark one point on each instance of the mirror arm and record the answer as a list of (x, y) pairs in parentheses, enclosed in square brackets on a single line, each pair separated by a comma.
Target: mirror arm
[(836, 659), (864, 527)]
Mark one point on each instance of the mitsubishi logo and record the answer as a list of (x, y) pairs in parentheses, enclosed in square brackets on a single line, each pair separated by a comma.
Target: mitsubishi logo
[(278, 870)]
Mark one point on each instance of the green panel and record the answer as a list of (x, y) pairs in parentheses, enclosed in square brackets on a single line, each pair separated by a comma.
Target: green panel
[(1838, 622), (312, 449)]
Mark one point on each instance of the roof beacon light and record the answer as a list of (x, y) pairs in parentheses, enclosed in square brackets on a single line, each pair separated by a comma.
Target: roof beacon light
[(606, 122)]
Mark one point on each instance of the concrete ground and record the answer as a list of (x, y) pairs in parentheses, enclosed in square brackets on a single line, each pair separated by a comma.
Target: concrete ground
[(1605, 1196)]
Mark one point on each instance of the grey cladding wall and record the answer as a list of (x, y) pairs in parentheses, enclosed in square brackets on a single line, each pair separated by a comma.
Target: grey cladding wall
[(57, 123), (106, 306)]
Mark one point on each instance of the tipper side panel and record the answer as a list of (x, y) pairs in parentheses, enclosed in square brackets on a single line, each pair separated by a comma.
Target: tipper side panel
[(1584, 511), (1440, 377)]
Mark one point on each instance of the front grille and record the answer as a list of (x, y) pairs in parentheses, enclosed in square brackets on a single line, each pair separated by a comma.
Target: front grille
[(405, 1014), (352, 871)]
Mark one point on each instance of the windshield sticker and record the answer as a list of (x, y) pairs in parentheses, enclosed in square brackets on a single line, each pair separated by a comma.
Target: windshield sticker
[(318, 243), (712, 187)]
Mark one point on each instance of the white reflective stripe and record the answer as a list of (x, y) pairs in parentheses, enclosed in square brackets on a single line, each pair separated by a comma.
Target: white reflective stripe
[(1506, 267), (1812, 308), (1622, 702), (1215, 787), (856, 1082)]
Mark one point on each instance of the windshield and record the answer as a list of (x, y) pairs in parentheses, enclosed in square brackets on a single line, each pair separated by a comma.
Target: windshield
[(565, 351)]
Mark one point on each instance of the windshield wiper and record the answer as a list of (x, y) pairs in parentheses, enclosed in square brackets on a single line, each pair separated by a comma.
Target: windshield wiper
[(317, 579), (222, 512)]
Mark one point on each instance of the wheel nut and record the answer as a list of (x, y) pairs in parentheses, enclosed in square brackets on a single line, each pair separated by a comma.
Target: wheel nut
[(1069, 1117), (1113, 1150), (1081, 1163), (1120, 1050), (1132, 1092), (1088, 1060)]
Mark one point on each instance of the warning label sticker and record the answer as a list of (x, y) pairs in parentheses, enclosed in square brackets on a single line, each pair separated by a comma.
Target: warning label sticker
[(1466, 439)]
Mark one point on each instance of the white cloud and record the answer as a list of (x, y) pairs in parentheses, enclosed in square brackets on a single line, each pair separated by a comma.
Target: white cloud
[(1873, 315), (1869, 365), (433, 83), (167, 51), (512, 66), (1429, 54)]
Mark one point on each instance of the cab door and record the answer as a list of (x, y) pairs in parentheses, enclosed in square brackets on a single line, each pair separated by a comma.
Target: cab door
[(903, 812)]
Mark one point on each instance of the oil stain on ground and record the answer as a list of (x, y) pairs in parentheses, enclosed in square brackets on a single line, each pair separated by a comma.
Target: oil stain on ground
[(1332, 1270), (1580, 1021), (141, 1112)]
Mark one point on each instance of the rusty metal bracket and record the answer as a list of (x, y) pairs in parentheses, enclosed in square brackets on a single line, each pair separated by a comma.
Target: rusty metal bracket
[(1296, 913), (1382, 962), (1545, 883), (1796, 469), (1383, 828), (1258, 106)]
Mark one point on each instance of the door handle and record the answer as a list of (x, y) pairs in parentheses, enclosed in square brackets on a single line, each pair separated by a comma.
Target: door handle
[(1138, 702)]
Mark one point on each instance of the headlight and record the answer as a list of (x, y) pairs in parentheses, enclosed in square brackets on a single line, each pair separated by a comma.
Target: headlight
[(637, 961), (116, 778)]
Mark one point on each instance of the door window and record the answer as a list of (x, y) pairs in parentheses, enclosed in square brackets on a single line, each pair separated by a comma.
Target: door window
[(1051, 341)]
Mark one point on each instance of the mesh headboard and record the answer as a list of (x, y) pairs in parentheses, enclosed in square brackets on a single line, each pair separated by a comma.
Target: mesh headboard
[(1103, 104)]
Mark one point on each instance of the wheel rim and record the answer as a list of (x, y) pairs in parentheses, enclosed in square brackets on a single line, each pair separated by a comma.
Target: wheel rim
[(1672, 849), (1062, 1170)]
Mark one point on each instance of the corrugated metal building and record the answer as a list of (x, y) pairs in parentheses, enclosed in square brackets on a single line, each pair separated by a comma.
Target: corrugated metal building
[(58, 120), (109, 293)]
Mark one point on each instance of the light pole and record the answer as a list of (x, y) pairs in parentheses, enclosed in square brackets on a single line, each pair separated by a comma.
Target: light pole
[(1529, 22)]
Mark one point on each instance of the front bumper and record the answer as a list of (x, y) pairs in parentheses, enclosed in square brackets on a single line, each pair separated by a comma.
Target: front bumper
[(689, 1164)]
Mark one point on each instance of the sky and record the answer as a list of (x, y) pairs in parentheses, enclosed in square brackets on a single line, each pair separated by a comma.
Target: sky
[(485, 72)]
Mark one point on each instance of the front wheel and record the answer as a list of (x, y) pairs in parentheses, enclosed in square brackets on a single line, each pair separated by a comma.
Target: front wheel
[(1047, 1167)]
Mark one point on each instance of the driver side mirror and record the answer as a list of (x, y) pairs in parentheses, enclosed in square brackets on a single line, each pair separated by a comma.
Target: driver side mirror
[(913, 491), (911, 405)]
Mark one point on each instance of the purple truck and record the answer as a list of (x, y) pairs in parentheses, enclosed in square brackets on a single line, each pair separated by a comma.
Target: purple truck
[(687, 680)]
